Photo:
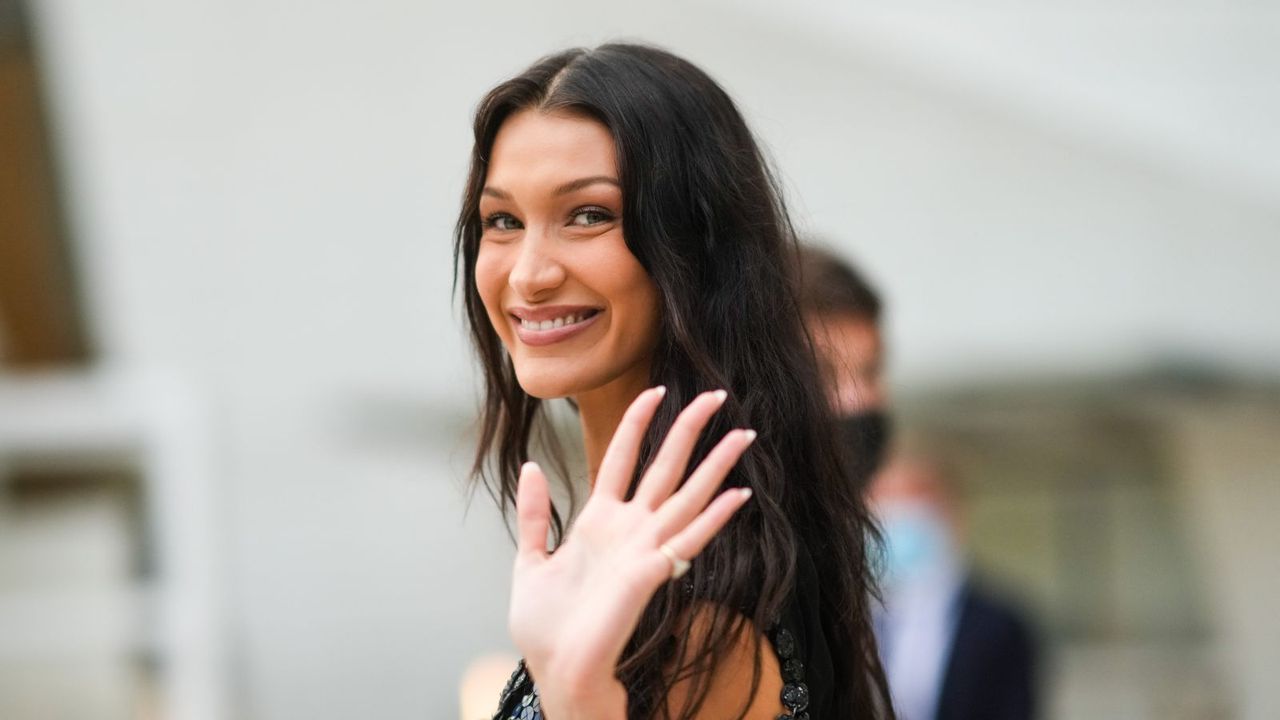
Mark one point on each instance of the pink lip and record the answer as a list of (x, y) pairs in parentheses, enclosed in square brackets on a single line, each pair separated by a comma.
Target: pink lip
[(539, 338)]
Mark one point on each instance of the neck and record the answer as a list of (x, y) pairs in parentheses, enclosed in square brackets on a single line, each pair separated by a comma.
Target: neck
[(600, 410)]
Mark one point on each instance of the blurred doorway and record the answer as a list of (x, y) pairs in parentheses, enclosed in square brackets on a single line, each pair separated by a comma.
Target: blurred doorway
[(41, 322), (73, 546)]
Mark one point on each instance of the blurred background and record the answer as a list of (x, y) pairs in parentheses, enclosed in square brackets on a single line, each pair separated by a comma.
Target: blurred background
[(235, 391)]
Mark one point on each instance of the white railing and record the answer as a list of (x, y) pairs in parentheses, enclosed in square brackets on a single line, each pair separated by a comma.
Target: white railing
[(157, 427)]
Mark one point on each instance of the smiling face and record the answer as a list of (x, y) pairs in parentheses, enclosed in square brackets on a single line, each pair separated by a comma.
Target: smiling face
[(573, 306)]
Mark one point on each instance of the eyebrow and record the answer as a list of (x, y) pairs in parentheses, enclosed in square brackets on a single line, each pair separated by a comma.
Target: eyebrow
[(581, 183), (565, 189)]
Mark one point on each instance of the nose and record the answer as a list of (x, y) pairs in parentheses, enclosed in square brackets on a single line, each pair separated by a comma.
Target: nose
[(537, 272)]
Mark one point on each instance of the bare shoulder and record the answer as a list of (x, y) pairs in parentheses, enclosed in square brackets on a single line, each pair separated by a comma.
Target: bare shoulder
[(730, 678)]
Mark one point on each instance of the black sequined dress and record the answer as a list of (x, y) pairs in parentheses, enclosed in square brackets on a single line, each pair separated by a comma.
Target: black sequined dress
[(797, 639)]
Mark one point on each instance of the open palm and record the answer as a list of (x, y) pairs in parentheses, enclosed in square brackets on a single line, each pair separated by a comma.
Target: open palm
[(573, 611)]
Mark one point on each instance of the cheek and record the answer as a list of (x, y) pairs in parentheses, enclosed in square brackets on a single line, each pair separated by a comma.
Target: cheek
[(638, 304), (491, 278), (649, 321)]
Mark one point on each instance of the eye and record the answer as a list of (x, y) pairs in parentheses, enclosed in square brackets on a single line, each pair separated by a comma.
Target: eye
[(501, 222), (587, 217)]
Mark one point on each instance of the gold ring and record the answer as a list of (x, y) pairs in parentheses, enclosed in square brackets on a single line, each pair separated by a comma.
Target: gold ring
[(679, 566)]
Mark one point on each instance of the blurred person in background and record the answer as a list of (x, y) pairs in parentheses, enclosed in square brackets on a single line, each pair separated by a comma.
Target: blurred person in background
[(842, 311), (620, 230), (951, 651)]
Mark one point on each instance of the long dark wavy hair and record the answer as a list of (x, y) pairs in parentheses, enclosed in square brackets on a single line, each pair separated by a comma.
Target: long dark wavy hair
[(704, 216)]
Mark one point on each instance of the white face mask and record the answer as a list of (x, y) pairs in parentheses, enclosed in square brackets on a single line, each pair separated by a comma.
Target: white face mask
[(917, 543)]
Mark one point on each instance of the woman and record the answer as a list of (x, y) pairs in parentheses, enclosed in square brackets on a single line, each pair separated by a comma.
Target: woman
[(620, 231)]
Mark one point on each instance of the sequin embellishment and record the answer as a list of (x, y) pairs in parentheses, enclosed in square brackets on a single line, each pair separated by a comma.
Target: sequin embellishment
[(795, 694), (529, 707)]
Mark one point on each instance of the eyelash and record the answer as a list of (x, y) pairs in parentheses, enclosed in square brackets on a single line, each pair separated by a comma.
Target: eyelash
[(491, 221), (592, 209)]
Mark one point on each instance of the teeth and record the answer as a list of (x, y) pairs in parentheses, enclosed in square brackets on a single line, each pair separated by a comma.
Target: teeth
[(553, 324)]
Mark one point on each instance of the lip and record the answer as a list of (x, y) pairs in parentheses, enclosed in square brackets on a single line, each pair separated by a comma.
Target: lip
[(539, 338)]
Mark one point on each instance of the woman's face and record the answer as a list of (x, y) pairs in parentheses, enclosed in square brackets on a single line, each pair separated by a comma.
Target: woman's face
[(573, 306)]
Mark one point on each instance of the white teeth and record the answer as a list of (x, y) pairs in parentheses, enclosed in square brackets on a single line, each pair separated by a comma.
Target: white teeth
[(553, 324)]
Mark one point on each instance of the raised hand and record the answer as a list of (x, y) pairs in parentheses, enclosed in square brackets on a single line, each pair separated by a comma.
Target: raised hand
[(573, 611)]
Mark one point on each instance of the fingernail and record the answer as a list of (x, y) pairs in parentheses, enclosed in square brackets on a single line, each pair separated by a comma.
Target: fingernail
[(661, 390), (527, 466), (721, 395), (745, 492), (750, 435)]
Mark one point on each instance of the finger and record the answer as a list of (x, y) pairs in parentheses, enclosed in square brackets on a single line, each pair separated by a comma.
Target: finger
[(694, 537), (673, 457), (619, 461), (682, 507), (533, 512)]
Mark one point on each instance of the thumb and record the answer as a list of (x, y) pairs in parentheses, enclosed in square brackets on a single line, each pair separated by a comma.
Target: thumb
[(533, 511)]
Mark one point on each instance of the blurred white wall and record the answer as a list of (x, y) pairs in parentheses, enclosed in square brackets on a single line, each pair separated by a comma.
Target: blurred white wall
[(262, 195)]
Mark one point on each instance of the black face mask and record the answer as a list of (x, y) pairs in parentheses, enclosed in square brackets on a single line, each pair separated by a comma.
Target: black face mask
[(865, 438)]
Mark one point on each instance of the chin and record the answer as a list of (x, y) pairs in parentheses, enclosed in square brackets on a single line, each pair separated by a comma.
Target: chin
[(548, 383)]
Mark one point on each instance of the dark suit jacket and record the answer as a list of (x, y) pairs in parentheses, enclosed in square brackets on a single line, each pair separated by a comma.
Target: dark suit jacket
[(991, 672)]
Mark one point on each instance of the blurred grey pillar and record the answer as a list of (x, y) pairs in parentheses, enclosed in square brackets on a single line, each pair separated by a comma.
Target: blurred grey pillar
[(1231, 457)]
